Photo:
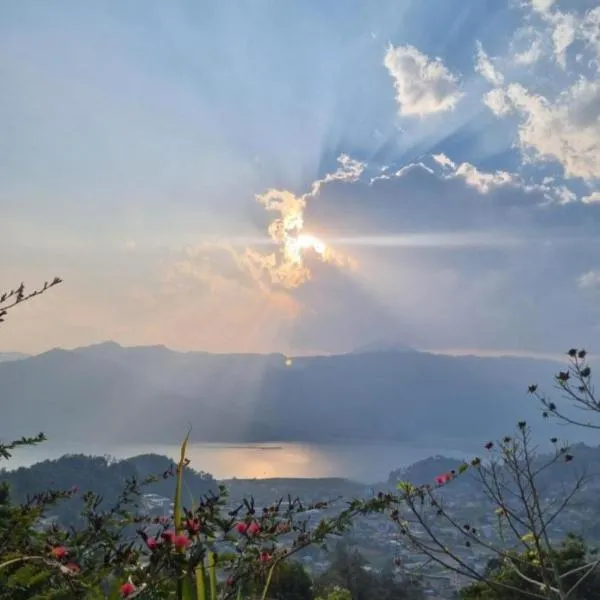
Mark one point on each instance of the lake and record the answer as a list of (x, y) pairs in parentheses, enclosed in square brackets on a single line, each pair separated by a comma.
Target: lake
[(363, 462)]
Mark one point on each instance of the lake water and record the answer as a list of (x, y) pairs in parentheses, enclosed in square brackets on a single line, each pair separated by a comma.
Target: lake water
[(363, 462)]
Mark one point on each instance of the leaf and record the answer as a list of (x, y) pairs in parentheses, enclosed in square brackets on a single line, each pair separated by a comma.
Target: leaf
[(212, 575), (187, 590), (405, 486), (200, 582), (180, 467)]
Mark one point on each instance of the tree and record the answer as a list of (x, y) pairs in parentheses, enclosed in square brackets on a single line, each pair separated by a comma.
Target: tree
[(524, 494), (516, 484), (290, 581), (570, 557), (337, 593), (351, 573), (575, 384)]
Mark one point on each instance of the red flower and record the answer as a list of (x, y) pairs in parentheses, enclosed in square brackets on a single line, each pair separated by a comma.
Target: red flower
[(168, 535), (241, 527), (181, 541), (265, 557), (193, 526), (442, 479), (254, 528), (230, 581), (152, 543), (59, 552), (127, 589)]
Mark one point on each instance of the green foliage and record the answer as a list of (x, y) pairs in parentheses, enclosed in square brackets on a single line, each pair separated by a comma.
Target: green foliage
[(337, 593), (289, 581), (571, 554), (350, 572)]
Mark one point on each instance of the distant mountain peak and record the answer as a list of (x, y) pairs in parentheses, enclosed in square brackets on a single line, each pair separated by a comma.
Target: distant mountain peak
[(107, 345), (10, 356), (383, 346)]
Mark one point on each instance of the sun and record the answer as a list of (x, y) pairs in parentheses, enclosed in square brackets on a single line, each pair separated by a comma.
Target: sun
[(295, 246)]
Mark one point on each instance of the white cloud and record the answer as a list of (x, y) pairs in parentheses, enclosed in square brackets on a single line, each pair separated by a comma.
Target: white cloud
[(565, 28), (590, 31), (591, 279), (563, 126), (564, 194), (567, 130), (485, 182), (563, 36), (349, 170), (423, 85), (542, 6), (443, 160), (527, 46), (480, 180), (485, 67), (592, 198), (497, 101)]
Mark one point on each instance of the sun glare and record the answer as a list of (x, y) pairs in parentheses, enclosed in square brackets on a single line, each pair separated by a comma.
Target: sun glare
[(295, 246)]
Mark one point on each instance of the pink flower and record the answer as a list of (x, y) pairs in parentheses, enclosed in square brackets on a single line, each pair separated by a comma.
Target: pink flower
[(254, 528), (442, 479), (241, 527), (152, 543), (181, 541), (59, 552), (193, 526), (127, 589), (168, 535)]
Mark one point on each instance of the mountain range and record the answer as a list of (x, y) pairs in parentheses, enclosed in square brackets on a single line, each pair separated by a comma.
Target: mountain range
[(107, 392)]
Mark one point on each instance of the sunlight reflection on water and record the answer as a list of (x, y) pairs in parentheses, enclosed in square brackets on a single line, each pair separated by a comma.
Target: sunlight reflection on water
[(361, 462)]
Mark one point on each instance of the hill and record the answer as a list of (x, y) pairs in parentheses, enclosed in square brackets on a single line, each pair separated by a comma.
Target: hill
[(152, 394)]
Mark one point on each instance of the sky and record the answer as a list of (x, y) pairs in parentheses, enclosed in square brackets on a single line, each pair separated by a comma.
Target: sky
[(302, 176)]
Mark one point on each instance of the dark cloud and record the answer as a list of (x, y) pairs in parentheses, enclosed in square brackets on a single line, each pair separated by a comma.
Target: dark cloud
[(516, 294)]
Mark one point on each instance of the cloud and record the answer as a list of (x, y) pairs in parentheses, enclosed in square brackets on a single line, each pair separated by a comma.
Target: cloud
[(591, 198), (288, 265), (485, 67), (453, 254), (567, 130), (591, 279), (557, 109), (526, 47), (423, 85), (480, 180), (498, 102), (449, 254)]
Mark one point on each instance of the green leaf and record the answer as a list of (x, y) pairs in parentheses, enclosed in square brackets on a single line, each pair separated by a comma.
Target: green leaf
[(187, 590), (181, 465), (200, 582), (405, 486), (212, 575)]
